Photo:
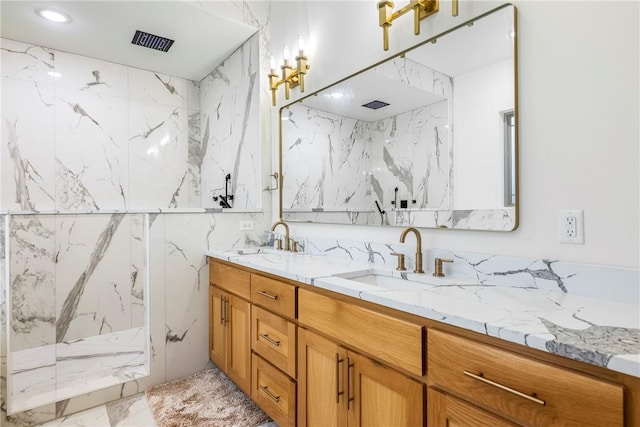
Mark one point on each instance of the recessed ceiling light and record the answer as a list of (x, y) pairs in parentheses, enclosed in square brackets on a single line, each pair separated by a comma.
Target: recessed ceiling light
[(54, 74), (54, 16)]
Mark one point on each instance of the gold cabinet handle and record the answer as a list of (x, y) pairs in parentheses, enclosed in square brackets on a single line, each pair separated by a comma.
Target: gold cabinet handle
[(270, 340), (268, 295), (349, 398), (481, 378), (338, 392), (268, 392), (222, 310), (226, 311)]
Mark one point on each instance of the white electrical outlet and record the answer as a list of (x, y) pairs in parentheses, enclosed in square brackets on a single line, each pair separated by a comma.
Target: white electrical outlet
[(246, 225), (571, 227)]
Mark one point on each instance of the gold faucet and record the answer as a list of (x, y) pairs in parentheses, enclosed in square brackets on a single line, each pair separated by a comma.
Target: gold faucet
[(418, 247), (286, 236)]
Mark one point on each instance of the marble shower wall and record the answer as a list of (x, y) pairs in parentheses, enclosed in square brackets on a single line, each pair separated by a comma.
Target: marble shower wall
[(153, 162), (356, 163), (229, 98), (66, 143)]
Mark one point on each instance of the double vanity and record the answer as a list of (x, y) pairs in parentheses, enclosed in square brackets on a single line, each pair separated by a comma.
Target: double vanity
[(321, 340)]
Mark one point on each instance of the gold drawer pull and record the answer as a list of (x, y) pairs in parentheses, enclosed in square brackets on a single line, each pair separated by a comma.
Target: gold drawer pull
[(268, 393), (265, 294), (270, 340), (481, 378)]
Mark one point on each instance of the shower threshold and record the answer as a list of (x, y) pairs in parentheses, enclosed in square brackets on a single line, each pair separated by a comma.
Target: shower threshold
[(51, 373)]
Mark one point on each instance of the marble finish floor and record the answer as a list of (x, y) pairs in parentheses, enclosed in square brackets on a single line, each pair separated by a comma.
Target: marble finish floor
[(131, 411)]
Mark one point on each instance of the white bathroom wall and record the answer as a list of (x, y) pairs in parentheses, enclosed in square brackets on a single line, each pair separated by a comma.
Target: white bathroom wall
[(578, 124)]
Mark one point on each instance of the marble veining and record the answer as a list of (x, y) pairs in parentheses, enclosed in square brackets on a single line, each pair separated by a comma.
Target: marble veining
[(68, 311)]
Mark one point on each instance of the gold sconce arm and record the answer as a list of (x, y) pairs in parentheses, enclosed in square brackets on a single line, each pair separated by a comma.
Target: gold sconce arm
[(421, 9), (290, 77), (454, 7)]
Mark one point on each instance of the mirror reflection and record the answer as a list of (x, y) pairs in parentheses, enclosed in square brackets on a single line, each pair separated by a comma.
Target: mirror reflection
[(427, 138)]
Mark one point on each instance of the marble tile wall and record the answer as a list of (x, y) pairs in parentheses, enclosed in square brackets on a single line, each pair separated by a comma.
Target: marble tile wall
[(605, 282), (357, 163), (113, 139), (229, 99), (73, 278), (86, 156)]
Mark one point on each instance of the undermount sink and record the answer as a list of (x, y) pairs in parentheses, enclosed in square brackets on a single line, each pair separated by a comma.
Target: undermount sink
[(378, 279)]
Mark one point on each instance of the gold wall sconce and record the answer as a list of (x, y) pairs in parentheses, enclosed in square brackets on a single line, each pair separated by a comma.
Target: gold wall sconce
[(421, 9), (290, 77)]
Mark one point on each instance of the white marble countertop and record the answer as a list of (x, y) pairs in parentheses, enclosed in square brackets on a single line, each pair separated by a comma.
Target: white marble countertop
[(596, 331)]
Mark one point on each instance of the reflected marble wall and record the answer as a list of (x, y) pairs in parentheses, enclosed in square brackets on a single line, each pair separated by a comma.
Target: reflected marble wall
[(326, 161), (335, 163)]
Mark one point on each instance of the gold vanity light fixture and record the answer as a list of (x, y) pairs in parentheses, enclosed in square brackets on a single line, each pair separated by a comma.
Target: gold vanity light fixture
[(421, 9), (290, 77)]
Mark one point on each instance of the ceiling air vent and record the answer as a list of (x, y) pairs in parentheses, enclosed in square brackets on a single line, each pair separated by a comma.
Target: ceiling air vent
[(374, 105), (152, 41)]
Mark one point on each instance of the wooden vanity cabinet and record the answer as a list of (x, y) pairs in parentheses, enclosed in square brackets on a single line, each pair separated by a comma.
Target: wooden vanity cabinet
[(253, 336), (339, 387), (315, 359), (229, 329)]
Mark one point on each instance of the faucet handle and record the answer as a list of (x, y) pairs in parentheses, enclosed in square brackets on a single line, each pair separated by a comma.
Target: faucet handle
[(401, 266), (279, 244), (294, 245), (438, 266)]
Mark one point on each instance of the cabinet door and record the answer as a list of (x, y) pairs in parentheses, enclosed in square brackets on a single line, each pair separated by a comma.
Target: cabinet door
[(238, 320), (381, 396), (321, 381), (217, 329), (447, 411)]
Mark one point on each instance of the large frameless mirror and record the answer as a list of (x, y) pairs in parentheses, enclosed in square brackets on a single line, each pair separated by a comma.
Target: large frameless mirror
[(427, 138)]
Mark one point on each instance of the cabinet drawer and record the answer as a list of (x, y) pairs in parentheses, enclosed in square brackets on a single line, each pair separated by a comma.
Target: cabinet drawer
[(447, 411), (274, 392), (527, 391), (229, 278), (274, 295), (395, 341), (274, 338)]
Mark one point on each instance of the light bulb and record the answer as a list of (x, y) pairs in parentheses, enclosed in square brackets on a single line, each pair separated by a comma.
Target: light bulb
[(272, 63), (53, 16), (300, 44), (286, 53)]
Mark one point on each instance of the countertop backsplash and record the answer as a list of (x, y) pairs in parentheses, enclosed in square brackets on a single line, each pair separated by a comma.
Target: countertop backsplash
[(606, 282)]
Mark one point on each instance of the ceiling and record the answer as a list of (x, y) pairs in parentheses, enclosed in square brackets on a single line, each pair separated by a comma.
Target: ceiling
[(104, 30)]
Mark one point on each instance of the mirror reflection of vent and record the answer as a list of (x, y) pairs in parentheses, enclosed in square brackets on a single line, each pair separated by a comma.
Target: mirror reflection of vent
[(374, 105), (152, 41)]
